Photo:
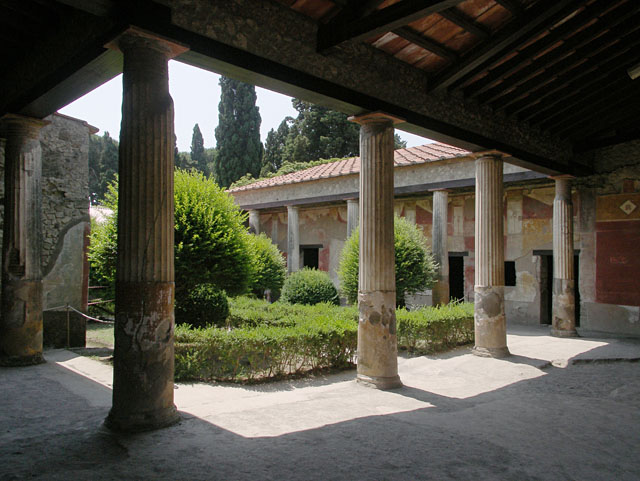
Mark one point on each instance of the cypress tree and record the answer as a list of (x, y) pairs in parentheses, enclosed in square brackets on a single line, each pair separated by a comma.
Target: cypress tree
[(239, 150), (198, 157)]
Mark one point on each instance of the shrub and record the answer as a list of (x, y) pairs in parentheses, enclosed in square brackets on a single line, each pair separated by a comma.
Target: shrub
[(431, 329), (202, 306), (104, 246), (309, 286), (211, 242), (415, 267), (268, 268)]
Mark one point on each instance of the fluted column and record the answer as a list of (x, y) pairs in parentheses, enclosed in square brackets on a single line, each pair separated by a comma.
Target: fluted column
[(564, 304), (490, 320), (377, 341), (254, 221), (144, 353), (352, 215), (293, 239), (440, 291), (21, 322)]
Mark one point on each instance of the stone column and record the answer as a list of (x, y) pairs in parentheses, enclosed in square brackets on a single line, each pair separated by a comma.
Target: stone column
[(490, 320), (564, 308), (254, 221), (293, 239), (144, 355), (352, 215), (21, 321), (377, 342), (439, 247)]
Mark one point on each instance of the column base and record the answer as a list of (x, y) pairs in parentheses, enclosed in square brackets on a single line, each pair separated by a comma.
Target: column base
[(382, 383), (135, 423), (20, 361), (564, 333), (494, 352)]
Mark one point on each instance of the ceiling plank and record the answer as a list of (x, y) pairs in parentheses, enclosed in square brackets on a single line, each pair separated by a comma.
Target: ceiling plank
[(380, 21), (528, 53), (513, 35), (513, 6), (426, 43), (463, 21)]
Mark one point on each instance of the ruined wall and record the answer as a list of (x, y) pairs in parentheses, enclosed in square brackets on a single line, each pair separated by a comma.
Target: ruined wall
[(65, 223)]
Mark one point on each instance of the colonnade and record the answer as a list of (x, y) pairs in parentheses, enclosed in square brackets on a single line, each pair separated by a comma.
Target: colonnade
[(144, 354)]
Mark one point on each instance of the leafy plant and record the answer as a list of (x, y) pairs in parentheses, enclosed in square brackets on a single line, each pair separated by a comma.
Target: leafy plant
[(309, 286), (203, 306), (268, 267), (414, 264)]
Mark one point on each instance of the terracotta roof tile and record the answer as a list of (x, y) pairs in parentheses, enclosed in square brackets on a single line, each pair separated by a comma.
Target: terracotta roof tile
[(402, 157)]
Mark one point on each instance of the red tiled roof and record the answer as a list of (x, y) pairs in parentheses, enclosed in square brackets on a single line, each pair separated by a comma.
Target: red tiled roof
[(402, 157)]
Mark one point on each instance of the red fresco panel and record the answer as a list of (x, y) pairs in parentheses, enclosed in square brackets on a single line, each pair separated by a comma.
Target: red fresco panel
[(323, 259), (618, 263), (423, 217), (534, 209)]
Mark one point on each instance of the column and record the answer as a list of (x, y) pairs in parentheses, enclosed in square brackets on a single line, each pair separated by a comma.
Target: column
[(144, 354), (490, 320), (564, 308), (439, 247), (293, 239), (352, 215), (21, 321), (254, 221), (377, 341)]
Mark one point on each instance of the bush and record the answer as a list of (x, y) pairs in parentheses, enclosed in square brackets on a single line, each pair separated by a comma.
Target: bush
[(202, 306), (309, 286), (104, 246), (268, 267), (321, 336), (211, 242), (415, 267), (432, 329)]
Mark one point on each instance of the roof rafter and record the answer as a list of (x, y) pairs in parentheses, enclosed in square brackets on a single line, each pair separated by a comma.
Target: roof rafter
[(463, 21), (380, 21), (421, 41)]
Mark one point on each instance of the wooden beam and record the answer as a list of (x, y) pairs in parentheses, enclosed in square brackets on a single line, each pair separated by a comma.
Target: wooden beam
[(530, 52), (587, 145), (467, 23), (509, 38), (516, 9), (426, 43), (584, 44), (380, 21)]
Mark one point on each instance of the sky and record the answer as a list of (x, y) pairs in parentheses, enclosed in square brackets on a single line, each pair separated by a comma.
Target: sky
[(196, 94)]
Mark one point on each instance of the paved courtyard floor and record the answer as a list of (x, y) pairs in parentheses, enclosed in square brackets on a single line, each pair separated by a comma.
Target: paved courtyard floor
[(557, 409)]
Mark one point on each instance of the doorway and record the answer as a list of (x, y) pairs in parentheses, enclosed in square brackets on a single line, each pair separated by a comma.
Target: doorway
[(456, 275), (546, 285)]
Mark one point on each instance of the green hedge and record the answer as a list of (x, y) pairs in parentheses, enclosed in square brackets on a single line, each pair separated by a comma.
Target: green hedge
[(432, 329), (272, 340)]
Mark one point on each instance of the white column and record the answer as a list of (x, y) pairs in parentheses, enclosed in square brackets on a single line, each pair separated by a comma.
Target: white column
[(439, 248), (377, 341), (564, 304), (490, 320), (254, 221), (352, 215), (293, 239)]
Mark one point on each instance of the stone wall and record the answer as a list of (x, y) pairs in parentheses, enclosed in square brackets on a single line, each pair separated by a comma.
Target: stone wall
[(65, 223)]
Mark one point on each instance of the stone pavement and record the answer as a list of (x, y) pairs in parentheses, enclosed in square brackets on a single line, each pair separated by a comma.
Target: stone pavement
[(558, 409)]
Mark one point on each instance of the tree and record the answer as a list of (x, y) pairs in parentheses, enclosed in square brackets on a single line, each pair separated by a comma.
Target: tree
[(239, 150), (103, 165), (415, 267), (316, 133), (198, 158)]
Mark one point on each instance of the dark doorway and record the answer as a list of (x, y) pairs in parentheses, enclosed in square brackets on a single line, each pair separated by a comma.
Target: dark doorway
[(456, 278), (546, 286), (310, 256)]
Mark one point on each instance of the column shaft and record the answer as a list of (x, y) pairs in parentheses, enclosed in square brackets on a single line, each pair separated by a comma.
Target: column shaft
[(490, 320), (352, 215), (377, 341), (21, 321), (144, 353), (564, 316), (440, 291), (254, 221), (293, 239)]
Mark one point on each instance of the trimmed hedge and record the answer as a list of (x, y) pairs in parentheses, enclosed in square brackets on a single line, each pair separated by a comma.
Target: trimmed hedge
[(309, 286), (273, 340), (203, 305)]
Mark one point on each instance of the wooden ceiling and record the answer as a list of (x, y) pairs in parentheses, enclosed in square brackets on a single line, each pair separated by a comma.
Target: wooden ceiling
[(558, 65)]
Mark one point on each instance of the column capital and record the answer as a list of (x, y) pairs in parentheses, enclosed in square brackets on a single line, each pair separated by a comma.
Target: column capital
[(375, 117), (292, 207), (440, 190), (12, 124), (562, 177), (352, 200), (137, 37)]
